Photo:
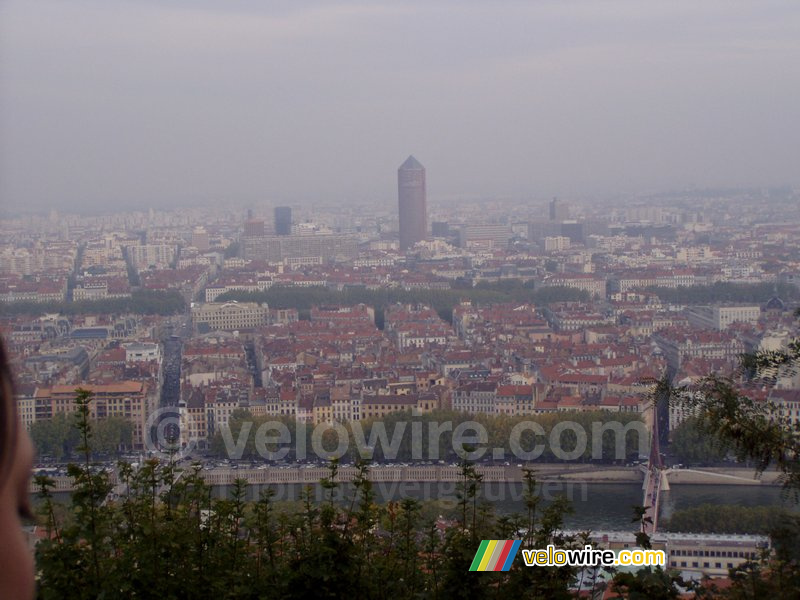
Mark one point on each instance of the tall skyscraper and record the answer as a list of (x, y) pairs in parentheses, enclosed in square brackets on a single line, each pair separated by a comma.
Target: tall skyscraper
[(413, 209), (559, 210), (283, 220)]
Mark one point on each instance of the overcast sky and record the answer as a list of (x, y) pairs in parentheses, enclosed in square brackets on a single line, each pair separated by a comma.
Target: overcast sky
[(111, 103)]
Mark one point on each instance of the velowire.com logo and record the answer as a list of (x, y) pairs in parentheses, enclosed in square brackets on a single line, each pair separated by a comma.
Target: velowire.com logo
[(498, 555), (495, 555)]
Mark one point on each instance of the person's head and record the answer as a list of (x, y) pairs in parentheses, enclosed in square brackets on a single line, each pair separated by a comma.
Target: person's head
[(16, 456)]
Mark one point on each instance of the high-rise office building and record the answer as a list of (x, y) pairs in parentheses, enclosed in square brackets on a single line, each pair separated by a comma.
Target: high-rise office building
[(496, 235), (253, 227), (283, 248), (574, 231), (440, 229), (283, 220), (413, 209), (559, 210), (200, 239)]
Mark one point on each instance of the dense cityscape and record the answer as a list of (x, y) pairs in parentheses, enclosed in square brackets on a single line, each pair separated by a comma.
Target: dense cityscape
[(399, 301), (182, 325)]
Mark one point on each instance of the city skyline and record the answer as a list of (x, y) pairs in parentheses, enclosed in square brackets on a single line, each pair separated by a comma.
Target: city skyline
[(241, 358), (208, 329)]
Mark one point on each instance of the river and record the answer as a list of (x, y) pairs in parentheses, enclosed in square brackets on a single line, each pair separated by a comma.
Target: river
[(597, 506)]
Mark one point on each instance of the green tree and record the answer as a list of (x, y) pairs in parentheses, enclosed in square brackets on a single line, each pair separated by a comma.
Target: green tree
[(58, 437), (715, 518), (691, 445), (757, 431), (54, 437), (79, 553), (144, 302), (753, 429), (162, 532), (112, 435)]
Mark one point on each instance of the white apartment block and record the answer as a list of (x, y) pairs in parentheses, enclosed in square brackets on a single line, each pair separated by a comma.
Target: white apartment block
[(722, 317), (594, 286), (556, 243), (215, 290), (142, 352), (230, 316), (693, 254), (90, 290), (152, 255)]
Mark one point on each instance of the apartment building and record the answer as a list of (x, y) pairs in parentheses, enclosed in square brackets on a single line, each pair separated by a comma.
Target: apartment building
[(159, 256), (594, 286), (229, 316), (475, 397), (681, 344), (722, 317), (132, 400)]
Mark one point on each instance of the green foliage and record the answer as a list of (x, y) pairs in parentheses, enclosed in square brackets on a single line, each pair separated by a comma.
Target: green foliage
[(54, 437), (76, 557), (143, 302), (772, 575), (166, 535), (755, 430), (111, 435), (691, 445), (399, 426), (715, 518), (58, 437), (751, 428), (648, 583)]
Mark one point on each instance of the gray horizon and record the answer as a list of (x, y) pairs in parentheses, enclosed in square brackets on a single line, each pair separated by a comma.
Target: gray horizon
[(170, 102)]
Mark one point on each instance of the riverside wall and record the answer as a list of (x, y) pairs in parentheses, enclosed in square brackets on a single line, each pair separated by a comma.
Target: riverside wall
[(272, 475)]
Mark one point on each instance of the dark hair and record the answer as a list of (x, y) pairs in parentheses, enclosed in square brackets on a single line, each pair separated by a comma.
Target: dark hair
[(8, 416)]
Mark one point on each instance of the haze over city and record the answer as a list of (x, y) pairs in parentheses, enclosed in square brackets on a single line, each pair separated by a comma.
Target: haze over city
[(317, 299), (170, 103)]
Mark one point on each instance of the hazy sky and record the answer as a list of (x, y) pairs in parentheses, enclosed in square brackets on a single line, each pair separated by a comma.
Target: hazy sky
[(106, 102)]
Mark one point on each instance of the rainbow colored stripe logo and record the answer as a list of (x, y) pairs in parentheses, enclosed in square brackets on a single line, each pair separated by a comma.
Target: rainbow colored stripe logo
[(495, 555)]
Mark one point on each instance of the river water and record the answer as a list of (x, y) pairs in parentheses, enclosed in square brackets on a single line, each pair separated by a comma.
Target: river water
[(596, 506)]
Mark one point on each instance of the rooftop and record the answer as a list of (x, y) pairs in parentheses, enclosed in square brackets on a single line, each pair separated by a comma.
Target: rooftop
[(411, 164)]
